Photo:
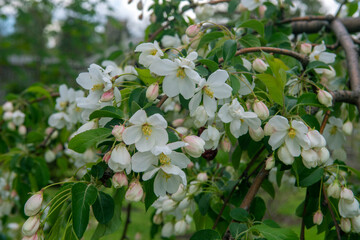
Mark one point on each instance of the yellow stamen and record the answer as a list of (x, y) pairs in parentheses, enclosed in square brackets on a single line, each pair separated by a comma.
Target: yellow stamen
[(208, 92), (77, 109), (333, 130), (63, 104), (153, 52), (180, 73), (146, 129), (97, 87), (317, 57), (167, 176), (164, 160), (292, 133)]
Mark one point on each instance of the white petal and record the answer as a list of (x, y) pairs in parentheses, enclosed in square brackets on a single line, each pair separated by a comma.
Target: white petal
[(235, 127), (276, 139), (219, 76), (187, 88), (279, 123), (160, 135), (221, 92), (159, 185), (210, 105), (163, 67), (157, 150), (195, 101), (84, 80), (174, 170), (327, 57), (192, 56), (176, 145), (171, 86), (179, 159), (142, 161), (224, 113), (157, 120), (139, 118), (132, 134), (292, 146), (146, 143), (150, 174)]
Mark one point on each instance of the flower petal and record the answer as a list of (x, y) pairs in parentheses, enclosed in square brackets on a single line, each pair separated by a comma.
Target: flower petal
[(142, 161), (132, 134), (179, 159), (157, 120), (139, 118)]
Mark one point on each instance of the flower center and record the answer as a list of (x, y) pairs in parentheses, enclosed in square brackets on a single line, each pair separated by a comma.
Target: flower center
[(333, 130), (153, 52), (292, 133), (208, 91), (317, 57), (63, 104), (146, 129), (77, 109), (98, 86), (164, 160), (181, 73)]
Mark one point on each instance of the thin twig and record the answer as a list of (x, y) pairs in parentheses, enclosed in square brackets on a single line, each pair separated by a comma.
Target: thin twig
[(322, 127), (44, 98), (127, 222), (48, 137), (340, 7), (162, 100), (307, 19), (331, 213)]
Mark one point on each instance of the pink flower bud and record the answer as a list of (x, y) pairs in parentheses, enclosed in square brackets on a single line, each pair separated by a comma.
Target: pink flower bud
[(157, 219), (22, 130), (7, 116), (134, 192), (107, 96), (177, 107), (178, 122), (180, 227), (347, 128), (256, 134), (345, 225), (270, 163), (318, 217), (31, 226), (334, 189), (50, 130), (8, 107), (262, 10), (347, 195), (202, 177), (190, 165), (192, 30), (33, 237), (259, 65), (152, 92), (107, 157), (305, 48), (33, 204), (325, 98), (261, 110), (195, 146), (225, 144), (118, 131), (195, 41), (119, 180)]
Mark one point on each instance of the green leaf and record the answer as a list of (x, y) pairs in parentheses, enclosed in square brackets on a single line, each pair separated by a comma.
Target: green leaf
[(108, 111), (34, 137), (309, 99), (311, 121), (103, 208), (212, 66), (271, 233), (239, 214), (250, 40), (81, 142), (209, 37), (40, 91), (258, 208), (352, 8), (145, 76), (275, 87), (115, 55), (204, 203), (236, 157), (312, 178), (316, 64), (232, 6), (207, 234), (150, 196), (268, 187), (82, 197), (229, 50), (253, 24), (235, 84), (236, 229)]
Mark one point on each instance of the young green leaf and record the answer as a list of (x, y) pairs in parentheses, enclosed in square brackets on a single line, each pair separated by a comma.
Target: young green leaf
[(108, 111), (103, 207), (81, 142)]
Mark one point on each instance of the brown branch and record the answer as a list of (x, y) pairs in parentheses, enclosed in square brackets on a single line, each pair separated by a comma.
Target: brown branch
[(314, 26), (322, 127), (244, 174), (48, 137), (307, 19), (346, 96), (157, 32), (127, 222), (162, 100), (331, 213), (44, 98), (304, 60)]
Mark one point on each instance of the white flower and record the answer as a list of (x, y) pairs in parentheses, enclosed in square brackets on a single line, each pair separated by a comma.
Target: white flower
[(259, 65), (305, 48), (345, 225), (204, 12), (149, 53), (129, 72), (355, 224), (200, 116), (118, 131), (202, 177), (334, 189), (169, 171), (251, 4), (67, 97), (319, 54), (285, 156), (60, 120), (246, 63), (49, 156), (240, 121), (18, 117), (214, 87), (146, 132), (309, 158), (316, 139), (347, 128), (135, 191), (256, 134), (7, 116), (294, 136), (325, 98), (245, 86), (333, 133), (348, 205), (120, 159), (195, 146), (8, 107), (180, 76), (180, 227), (170, 41), (119, 180), (180, 193), (261, 109), (167, 230), (211, 137)]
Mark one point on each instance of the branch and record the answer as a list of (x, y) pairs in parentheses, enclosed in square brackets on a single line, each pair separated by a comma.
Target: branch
[(44, 98), (128, 212), (314, 26), (162, 100), (304, 60), (332, 213), (307, 19), (346, 96), (324, 121)]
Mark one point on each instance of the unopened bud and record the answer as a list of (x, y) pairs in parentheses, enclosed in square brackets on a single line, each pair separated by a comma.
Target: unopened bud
[(54, 133), (262, 10), (167, 230), (202, 177), (180, 193), (169, 205), (190, 165), (325, 98), (157, 219), (107, 96), (182, 130), (22, 130), (305, 48), (334, 189), (49, 156), (345, 225), (270, 163), (256, 134), (347, 195), (134, 192), (141, 16), (31, 226), (329, 73), (152, 92), (195, 41), (285, 156), (33, 237), (269, 129), (180, 227), (11, 126), (192, 30), (8, 107), (33, 204), (7, 116), (261, 110), (107, 157), (118, 131), (259, 65), (195, 146), (318, 217), (323, 155), (225, 144), (119, 180), (309, 157), (178, 122), (347, 128), (184, 203)]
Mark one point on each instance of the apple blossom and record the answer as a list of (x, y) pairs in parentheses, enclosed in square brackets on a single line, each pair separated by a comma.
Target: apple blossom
[(333, 133), (319, 54), (22, 130), (325, 98), (305, 48), (347, 128), (8, 107), (178, 122), (211, 136), (256, 134), (180, 227), (318, 217), (270, 163), (251, 4), (135, 191), (119, 180), (202, 177), (261, 110), (157, 219), (355, 222), (334, 189), (193, 30), (345, 224), (285, 156), (146, 132), (170, 41), (117, 132), (11, 126), (7, 116), (309, 158), (195, 146), (149, 53), (180, 193), (259, 65), (200, 116), (167, 230), (18, 117), (169, 205), (33, 204), (31, 226), (120, 159), (152, 92), (107, 96), (348, 205), (50, 156), (225, 144)]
